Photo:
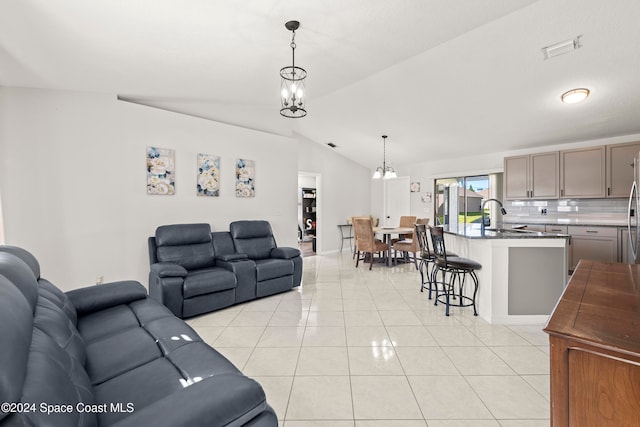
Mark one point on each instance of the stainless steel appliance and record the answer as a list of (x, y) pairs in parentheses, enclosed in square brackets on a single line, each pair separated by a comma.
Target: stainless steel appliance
[(633, 225)]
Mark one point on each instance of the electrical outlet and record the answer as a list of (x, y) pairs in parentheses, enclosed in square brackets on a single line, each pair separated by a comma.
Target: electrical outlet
[(543, 211), (99, 280)]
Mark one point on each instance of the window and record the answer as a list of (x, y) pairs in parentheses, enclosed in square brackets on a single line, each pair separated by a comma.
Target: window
[(460, 199)]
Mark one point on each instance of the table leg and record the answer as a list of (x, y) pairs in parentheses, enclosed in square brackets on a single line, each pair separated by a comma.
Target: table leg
[(388, 237)]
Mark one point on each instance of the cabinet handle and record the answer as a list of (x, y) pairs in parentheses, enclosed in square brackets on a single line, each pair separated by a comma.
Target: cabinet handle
[(592, 231), (608, 191), (562, 192)]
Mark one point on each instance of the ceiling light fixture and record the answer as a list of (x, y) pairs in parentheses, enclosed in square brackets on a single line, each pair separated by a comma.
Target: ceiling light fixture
[(384, 171), (292, 80), (575, 95)]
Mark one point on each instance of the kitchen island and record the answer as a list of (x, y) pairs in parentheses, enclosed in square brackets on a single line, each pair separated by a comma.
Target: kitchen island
[(523, 272)]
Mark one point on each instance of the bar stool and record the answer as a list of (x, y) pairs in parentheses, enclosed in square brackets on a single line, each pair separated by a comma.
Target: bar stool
[(427, 257), (458, 268)]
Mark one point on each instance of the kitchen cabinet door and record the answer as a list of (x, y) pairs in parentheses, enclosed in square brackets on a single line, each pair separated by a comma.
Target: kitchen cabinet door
[(625, 251), (593, 243), (544, 176), (620, 168), (534, 176), (516, 177), (582, 173)]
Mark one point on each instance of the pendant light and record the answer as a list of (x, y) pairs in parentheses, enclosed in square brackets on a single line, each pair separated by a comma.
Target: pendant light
[(292, 82), (384, 171)]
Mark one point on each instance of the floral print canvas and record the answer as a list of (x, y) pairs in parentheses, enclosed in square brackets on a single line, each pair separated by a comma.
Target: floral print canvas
[(208, 175), (160, 171), (245, 178)]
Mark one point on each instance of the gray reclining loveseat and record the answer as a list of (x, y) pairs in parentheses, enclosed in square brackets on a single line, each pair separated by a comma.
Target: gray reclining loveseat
[(195, 271), (109, 355)]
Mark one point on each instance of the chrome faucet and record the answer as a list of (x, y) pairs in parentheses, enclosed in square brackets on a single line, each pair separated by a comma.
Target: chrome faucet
[(502, 209)]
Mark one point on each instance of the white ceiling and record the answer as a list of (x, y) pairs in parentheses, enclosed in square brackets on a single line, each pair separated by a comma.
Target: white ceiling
[(443, 79)]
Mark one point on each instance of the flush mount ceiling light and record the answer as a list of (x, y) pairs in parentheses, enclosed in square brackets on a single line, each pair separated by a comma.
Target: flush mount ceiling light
[(384, 171), (292, 80), (575, 95)]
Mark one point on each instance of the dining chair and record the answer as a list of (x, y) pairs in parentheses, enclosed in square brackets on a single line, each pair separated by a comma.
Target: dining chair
[(366, 241), (410, 245), (406, 221), (458, 268)]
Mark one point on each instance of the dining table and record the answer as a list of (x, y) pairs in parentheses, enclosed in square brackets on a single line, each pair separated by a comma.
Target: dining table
[(387, 232)]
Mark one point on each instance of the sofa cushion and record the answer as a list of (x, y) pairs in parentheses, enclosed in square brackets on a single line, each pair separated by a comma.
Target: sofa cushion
[(116, 354), (48, 291), (50, 319), (25, 256), (53, 377), (16, 324), (206, 281), (254, 238), (141, 387), (21, 275), (271, 268), (188, 245)]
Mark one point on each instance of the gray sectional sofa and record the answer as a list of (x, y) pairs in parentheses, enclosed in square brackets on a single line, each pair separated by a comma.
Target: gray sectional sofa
[(109, 355), (195, 271)]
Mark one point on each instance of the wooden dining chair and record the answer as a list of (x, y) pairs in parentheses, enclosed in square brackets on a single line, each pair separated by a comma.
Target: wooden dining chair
[(410, 245), (366, 241)]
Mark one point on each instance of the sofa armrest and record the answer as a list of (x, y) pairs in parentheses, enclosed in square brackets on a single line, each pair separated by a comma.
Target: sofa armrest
[(95, 298), (168, 269), (231, 257), (221, 400), (245, 272), (285, 253)]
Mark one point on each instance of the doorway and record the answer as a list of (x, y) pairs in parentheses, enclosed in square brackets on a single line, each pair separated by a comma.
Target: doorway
[(309, 213), (397, 201)]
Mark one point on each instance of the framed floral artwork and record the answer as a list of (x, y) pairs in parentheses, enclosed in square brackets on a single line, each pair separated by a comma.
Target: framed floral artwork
[(161, 171), (208, 184), (245, 178)]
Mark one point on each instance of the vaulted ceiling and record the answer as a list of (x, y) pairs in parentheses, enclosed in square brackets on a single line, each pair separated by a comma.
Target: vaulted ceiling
[(443, 79)]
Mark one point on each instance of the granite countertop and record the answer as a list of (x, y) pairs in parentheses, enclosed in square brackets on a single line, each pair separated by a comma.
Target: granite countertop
[(585, 221), (473, 231)]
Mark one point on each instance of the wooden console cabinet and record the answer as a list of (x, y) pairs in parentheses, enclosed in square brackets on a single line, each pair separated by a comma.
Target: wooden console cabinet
[(594, 334)]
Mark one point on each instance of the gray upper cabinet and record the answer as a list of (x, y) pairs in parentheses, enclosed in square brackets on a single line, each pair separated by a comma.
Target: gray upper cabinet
[(620, 168), (582, 173), (532, 176), (516, 177)]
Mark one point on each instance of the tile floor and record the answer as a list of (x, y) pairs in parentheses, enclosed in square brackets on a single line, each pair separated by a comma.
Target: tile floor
[(359, 348)]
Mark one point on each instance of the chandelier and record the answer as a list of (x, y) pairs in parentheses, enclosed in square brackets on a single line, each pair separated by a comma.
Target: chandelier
[(384, 171), (292, 81)]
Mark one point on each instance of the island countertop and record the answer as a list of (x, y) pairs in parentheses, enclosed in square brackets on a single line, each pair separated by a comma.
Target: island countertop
[(474, 231)]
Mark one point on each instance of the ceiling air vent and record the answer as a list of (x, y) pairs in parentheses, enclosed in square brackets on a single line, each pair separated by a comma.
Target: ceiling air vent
[(331, 144), (561, 48)]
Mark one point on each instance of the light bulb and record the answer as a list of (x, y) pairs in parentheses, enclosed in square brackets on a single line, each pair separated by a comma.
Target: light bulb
[(284, 93), (294, 88), (299, 93)]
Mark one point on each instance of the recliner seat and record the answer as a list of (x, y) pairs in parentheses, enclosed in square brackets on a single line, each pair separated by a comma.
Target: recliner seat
[(277, 269)]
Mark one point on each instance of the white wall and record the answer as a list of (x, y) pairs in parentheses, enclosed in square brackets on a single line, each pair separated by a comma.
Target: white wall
[(344, 190), (73, 181)]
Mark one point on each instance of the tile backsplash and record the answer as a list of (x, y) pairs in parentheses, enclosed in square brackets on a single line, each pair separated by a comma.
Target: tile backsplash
[(583, 209)]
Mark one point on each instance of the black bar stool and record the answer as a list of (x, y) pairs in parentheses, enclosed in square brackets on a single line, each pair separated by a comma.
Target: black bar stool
[(458, 268), (427, 257)]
